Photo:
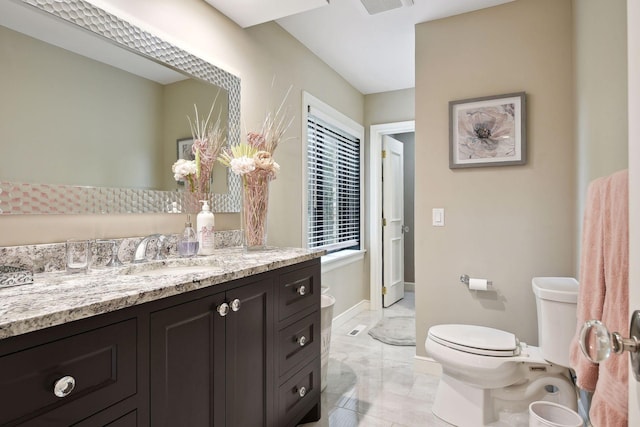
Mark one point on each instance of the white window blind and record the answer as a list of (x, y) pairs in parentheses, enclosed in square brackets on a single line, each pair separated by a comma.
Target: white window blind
[(333, 180)]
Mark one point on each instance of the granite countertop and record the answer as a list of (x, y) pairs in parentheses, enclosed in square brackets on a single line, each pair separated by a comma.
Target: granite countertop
[(56, 298)]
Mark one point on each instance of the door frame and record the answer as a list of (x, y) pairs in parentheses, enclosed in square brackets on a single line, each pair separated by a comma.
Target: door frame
[(633, 58), (374, 178)]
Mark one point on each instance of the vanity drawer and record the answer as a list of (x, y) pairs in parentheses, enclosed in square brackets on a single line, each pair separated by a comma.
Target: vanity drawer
[(299, 394), (101, 363), (297, 290), (298, 343)]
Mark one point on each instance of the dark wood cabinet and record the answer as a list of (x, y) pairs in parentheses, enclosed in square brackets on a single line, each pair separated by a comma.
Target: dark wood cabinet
[(298, 344), (187, 364), (249, 355), (62, 381), (211, 360), (241, 353)]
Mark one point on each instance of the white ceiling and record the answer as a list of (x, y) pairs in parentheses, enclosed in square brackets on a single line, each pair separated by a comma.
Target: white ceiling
[(251, 12), (375, 53)]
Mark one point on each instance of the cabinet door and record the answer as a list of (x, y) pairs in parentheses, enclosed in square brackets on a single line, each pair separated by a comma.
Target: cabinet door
[(250, 356), (187, 365), (63, 381)]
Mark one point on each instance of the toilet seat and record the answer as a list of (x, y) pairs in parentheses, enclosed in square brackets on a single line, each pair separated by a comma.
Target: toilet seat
[(479, 340)]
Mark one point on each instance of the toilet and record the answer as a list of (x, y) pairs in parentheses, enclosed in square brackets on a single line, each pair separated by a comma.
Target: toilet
[(486, 371)]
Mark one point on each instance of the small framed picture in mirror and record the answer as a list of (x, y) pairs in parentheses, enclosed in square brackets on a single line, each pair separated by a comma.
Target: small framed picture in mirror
[(185, 149)]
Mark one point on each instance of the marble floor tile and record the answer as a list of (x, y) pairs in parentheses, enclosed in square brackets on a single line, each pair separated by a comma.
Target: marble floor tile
[(370, 383)]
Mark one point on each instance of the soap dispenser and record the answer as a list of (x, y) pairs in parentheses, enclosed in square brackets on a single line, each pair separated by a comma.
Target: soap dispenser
[(188, 241), (205, 222)]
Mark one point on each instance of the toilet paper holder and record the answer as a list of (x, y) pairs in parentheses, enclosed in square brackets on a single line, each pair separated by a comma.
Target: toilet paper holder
[(489, 284)]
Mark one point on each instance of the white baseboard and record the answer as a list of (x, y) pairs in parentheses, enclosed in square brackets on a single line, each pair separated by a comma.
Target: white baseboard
[(426, 365), (350, 313), (409, 287)]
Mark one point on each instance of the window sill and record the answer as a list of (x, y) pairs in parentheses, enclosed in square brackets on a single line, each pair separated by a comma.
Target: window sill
[(341, 259)]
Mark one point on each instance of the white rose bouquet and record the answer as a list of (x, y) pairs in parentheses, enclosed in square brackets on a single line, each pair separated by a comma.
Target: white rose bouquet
[(185, 170)]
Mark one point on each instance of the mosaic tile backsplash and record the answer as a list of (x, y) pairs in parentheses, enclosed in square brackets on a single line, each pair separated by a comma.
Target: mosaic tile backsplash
[(48, 258)]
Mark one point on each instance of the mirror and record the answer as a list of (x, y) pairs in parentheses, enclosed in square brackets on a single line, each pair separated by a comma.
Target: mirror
[(95, 114)]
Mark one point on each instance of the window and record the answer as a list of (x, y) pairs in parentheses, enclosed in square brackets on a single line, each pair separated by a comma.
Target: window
[(334, 181)]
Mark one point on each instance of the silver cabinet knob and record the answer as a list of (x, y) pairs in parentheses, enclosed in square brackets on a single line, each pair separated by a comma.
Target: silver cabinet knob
[(223, 309), (235, 304), (302, 391), (597, 343), (64, 386), (302, 290), (302, 341)]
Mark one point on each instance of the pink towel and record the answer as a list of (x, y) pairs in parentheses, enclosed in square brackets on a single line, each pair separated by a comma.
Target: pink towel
[(604, 295)]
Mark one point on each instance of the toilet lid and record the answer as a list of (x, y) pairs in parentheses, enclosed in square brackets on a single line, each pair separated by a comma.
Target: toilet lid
[(476, 339)]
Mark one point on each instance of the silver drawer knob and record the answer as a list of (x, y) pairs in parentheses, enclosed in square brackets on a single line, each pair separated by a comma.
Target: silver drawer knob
[(235, 304), (302, 391), (302, 290), (64, 386), (302, 341), (223, 309)]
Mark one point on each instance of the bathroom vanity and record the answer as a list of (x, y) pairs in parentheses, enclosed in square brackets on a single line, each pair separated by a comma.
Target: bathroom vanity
[(235, 344)]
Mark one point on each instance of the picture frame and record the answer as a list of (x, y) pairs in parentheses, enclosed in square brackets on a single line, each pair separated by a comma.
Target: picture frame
[(488, 131), (184, 146)]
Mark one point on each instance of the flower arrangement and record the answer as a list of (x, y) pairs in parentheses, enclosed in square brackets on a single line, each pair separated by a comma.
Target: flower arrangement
[(253, 161), (208, 140), (185, 170)]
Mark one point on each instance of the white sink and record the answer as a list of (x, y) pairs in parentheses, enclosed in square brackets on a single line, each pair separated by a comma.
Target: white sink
[(174, 266)]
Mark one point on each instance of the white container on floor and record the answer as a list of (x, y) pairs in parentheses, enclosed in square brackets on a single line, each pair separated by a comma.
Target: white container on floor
[(550, 414), (326, 317)]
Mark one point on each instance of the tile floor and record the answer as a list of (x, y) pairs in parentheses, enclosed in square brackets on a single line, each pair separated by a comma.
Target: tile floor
[(374, 384)]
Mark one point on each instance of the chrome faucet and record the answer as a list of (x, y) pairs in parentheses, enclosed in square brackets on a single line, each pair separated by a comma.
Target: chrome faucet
[(140, 254)]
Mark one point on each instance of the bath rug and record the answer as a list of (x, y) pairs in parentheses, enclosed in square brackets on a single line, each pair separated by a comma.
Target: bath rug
[(399, 330)]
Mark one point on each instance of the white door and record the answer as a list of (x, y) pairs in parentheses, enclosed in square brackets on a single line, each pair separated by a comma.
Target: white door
[(633, 49), (393, 222)]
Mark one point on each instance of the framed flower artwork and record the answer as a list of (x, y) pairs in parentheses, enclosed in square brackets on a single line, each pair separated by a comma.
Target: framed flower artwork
[(488, 131)]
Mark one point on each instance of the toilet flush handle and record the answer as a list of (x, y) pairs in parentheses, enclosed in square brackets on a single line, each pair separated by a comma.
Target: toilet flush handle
[(597, 343)]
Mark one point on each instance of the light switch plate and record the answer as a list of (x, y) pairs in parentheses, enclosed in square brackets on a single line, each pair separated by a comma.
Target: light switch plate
[(437, 215)]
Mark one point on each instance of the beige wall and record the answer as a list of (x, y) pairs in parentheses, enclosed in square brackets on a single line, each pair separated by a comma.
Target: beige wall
[(36, 149), (600, 58), (600, 51), (348, 284), (507, 224), (389, 107), (258, 56)]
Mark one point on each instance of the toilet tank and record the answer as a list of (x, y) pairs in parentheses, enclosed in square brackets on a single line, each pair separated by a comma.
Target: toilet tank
[(556, 302)]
